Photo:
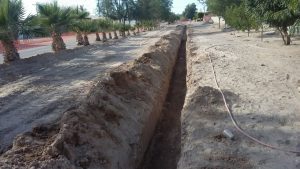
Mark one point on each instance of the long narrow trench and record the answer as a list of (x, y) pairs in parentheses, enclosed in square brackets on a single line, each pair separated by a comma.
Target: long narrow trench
[(164, 149)]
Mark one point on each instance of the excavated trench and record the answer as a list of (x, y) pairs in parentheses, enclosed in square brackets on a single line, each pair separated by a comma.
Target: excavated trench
[(165, 147)]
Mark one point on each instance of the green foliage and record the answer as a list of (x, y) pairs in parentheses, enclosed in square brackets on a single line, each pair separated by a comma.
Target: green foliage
[(11, 15), (199, 15), (154, 9), (30, 27), (55, 18), (103, 25), (87, 26), (277, 13), (149, 24), (190, 11), (173, 17), (239, 18), (138, 10), (219, 6)]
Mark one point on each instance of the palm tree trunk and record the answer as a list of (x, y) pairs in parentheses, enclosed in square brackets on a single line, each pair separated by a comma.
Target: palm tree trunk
[(79, 38), (128, 33), (10, 51), (104, 37), (86, 40), (116, 35), (109, 35), (58, 43), (98, 37)]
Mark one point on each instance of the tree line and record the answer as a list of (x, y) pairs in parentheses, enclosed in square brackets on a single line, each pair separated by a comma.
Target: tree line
[(252, 14), (53, 20)]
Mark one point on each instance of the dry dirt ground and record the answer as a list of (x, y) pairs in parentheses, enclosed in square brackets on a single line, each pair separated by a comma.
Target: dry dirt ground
[(261, 81), (38, 90)]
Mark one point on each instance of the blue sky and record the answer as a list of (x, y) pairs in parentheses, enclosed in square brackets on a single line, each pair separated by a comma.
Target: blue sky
[(178, 5)]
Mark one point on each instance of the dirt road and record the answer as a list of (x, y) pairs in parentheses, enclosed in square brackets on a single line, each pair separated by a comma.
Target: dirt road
[(261, 83), (38, 90)]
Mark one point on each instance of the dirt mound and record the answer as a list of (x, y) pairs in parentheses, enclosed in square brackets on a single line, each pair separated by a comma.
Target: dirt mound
[(112, 128), (203, 119)]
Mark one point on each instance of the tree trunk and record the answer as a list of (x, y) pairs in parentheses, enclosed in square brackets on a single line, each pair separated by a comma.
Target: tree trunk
[(219, 22), (109, 35), (282, 36), (58, 43), (120, 33), (248, 32), (86, 40), (262, 32), (138, 30), (116, 35), (98, 37), (79, 38), (10, 51), (104, 37), (128, 33), (287, 36)]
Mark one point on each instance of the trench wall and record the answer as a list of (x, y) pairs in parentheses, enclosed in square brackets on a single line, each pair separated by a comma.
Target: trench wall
[(113, 127)]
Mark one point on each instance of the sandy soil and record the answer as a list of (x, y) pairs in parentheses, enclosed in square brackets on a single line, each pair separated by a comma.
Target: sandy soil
[(261, 81), (38, 90)]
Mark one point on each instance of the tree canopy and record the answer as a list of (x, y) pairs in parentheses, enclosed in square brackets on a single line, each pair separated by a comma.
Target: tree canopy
[(135, 9), (190, 11), (277, 13)]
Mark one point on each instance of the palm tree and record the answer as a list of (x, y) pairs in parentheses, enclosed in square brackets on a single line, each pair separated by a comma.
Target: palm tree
[(98, 29), (116, 26), (87, 26), (110, 28), (80, 14), (127, 28), (57, 20), (103, 26), (138, 26), (11, 14)]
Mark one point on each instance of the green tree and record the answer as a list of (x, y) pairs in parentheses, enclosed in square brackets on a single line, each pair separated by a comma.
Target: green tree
[(190, 11), (278, 13), (239, 18), (153, 10), (11, 14), (57, 20), (219, 7)]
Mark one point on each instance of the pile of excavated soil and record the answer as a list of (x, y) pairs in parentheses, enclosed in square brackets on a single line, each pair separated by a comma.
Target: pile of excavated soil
[(38, 90), (260, 81), (112, 127)]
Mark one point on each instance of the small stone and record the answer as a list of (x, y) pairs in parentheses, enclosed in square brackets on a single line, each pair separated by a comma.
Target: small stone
[(262, 65)]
